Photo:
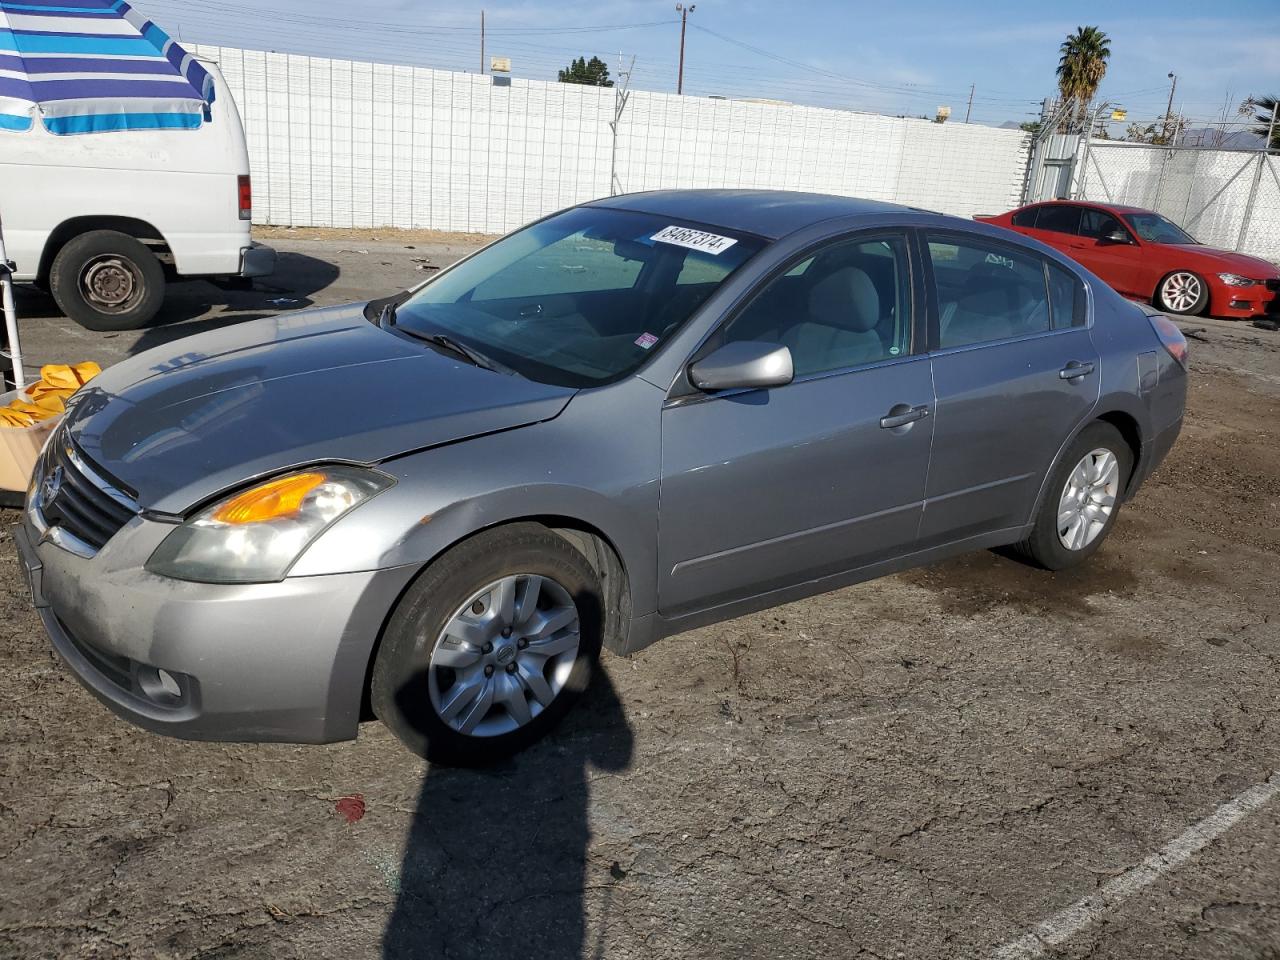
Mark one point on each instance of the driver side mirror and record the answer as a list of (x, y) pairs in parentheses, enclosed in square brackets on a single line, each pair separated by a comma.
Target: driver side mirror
[(1117, 236), (743, 365)]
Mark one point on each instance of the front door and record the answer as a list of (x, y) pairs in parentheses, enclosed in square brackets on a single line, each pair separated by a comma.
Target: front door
[(764, 489), (1119, 263), (1015, 372)]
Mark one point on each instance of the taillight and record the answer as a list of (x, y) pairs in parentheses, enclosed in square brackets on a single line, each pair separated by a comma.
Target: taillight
[(1171, 337), (245, 192)]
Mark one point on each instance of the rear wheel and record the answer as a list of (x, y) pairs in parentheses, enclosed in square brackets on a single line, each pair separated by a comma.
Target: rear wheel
[(1182, 292), (1082, 499), (491, 645), (106, 280)]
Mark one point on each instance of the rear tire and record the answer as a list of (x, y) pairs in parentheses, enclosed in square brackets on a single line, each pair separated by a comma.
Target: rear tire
[(416, 672), (106, 280), (1182, 292), (1081, 500)]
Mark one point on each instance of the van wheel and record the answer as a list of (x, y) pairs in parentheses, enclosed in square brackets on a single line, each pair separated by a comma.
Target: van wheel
[(490, 646), (106, 280)]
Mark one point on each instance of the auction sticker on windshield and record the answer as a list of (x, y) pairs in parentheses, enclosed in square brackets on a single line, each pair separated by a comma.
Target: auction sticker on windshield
[(694, 239)]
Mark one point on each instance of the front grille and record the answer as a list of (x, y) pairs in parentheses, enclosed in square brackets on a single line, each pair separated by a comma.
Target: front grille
[(72, 496)]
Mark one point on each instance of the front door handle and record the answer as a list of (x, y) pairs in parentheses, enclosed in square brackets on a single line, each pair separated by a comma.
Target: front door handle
[(1075, 370), (901, 414)]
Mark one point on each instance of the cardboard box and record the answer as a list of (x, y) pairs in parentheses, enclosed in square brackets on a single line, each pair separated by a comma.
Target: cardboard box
[(19, 448)]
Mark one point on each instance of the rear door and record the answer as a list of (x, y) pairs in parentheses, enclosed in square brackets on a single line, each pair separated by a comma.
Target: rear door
[(1015, 372), (1058, 225), (765, 489)]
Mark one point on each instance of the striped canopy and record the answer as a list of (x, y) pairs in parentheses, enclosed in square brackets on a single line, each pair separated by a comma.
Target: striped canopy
[(85, 66)]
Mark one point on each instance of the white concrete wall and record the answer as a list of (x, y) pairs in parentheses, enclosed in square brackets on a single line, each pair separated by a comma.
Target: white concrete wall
[(349, 144)]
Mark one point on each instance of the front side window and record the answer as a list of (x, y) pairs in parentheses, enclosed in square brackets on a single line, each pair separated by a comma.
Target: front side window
[(1157, 229), (1059, 218), (986, 291), (847, 305), (581, 298), (1099, 225)]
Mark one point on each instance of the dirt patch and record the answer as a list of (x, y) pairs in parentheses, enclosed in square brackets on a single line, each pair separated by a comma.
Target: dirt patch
[(388, 234)]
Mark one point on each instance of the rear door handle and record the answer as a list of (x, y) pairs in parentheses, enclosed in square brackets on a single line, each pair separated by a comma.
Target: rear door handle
[(1075, 370), (901, 414)]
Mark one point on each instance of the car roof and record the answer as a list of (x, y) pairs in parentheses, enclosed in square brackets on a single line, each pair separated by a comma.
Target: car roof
[(771, 214), (1113, 207)]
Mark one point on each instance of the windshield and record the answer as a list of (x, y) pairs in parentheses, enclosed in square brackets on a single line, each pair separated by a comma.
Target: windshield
[(1156, 229), (581, 298)]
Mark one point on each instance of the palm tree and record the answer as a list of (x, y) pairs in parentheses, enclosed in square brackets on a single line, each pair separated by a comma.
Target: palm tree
[(1081, 68), (1266, 110)]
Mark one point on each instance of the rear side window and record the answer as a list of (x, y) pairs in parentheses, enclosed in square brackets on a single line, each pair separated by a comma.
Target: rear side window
[(986, 291), (1026, 217), (1066, 298), (1059, 218)]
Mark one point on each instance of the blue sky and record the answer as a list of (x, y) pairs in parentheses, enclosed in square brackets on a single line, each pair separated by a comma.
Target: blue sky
[(906, 57)]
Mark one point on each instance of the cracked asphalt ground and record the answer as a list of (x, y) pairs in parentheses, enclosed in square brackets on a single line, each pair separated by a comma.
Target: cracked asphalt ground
[(924, 766)]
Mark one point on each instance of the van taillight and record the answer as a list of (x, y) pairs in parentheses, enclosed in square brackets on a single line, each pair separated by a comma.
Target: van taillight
[(245, 191), (1171, 337)]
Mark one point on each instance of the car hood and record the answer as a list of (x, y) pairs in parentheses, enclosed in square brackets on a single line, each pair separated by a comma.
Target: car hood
[(1226, 261), (182, 422)]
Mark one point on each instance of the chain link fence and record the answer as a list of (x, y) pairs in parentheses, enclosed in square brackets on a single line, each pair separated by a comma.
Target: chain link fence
[(1224, 198)]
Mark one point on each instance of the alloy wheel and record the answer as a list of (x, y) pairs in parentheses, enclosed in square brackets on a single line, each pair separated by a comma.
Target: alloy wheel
[(1088, 498), (504, 655), (1180, 292)]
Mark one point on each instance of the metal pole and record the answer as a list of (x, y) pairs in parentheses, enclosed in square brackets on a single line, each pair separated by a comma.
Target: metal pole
[(684, 19), (10, 316), (969, 108), (482, 67), (621, 95)]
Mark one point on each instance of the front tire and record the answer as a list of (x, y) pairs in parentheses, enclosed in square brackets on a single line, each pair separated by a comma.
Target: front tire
[(105, 280), (490, 646), (1082, 499), (1182, 292)]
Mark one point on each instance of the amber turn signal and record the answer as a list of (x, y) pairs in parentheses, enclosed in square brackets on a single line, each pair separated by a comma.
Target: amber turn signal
[(276, 498)]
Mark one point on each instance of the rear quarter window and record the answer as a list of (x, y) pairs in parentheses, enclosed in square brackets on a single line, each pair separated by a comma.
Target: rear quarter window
[(1067, 304), (1026, 218)]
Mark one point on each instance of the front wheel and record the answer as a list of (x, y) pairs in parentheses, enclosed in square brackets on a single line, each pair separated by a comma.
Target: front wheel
[(1182, 292), (107, 280), (490, 646), (1082, 499)]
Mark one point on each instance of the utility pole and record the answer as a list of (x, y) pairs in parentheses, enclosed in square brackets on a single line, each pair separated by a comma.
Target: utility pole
[(482, 41), (969, 108), (684, 19), (1168, 113)]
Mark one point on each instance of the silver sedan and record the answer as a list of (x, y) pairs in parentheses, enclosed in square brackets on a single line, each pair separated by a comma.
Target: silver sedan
[(629, 419)]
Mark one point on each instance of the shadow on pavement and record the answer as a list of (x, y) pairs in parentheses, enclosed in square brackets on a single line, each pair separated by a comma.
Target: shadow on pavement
[(298, 278), (495, 863)]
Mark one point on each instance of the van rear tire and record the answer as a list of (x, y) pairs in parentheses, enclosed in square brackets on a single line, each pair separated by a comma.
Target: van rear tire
[(106, 280)]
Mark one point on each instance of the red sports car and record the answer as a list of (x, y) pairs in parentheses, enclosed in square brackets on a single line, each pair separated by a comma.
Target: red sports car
[(1143, 255)]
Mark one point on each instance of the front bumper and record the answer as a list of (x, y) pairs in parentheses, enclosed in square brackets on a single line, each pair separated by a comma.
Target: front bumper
[(1244, 302), (257, 260), (280, 661)]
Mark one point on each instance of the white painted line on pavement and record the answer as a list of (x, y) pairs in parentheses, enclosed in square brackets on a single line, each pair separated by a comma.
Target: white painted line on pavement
[(1068, 922)]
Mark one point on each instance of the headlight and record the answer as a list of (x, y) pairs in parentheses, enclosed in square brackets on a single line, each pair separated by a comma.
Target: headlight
[(255, 536), (1235, 280)]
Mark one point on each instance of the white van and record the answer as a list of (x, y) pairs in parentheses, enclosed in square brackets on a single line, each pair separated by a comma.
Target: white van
[(103, 220)]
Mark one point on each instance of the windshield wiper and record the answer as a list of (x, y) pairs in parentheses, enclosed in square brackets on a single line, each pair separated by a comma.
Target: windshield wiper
[(470, 354)]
